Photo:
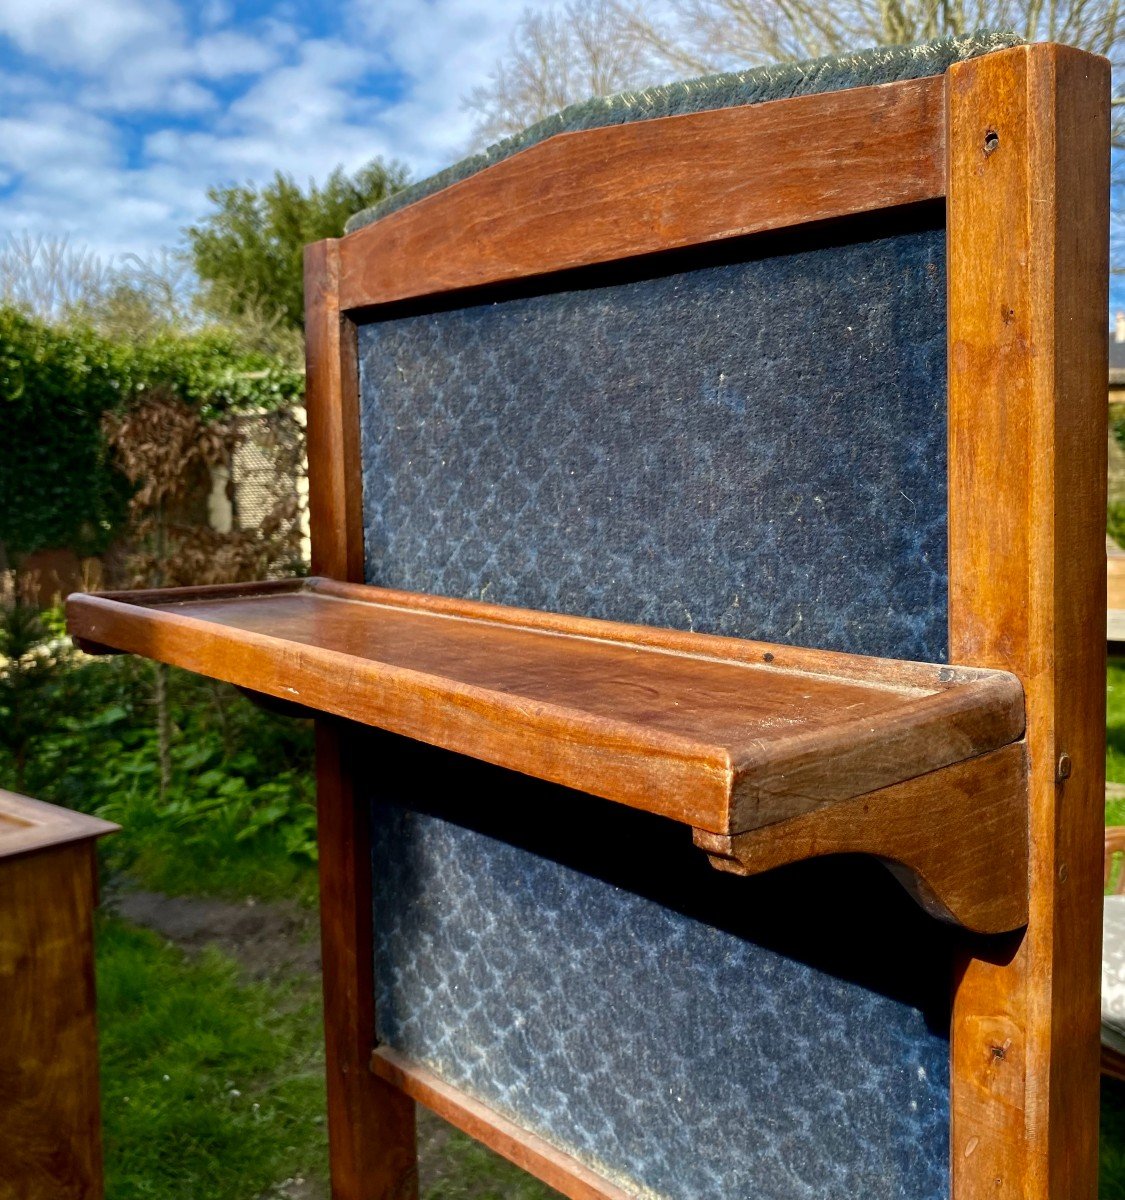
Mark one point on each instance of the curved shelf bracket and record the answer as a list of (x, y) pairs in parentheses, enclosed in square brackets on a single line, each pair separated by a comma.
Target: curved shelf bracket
[(955, 838)]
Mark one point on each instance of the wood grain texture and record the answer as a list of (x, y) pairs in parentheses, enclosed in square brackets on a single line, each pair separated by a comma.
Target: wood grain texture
[(1027, 226), (50, 1131), (657, 185), (722, 734), (534, 1155), (27, 825), (371, 1126), (956, 839), (332, 405)]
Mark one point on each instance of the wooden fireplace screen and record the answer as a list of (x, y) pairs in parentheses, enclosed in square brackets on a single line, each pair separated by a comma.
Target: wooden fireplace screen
[(707, 515)]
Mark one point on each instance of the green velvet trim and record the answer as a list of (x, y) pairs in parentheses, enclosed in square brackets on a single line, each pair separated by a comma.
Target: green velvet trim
[(883, 64)]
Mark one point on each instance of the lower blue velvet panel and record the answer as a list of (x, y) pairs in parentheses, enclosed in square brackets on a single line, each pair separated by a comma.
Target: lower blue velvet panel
[(581, 969)]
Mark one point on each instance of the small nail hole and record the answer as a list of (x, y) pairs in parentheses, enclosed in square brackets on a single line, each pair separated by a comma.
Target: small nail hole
[(991, 142)]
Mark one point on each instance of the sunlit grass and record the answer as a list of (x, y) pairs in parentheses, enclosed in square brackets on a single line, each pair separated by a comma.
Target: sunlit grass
[(212, 1088)]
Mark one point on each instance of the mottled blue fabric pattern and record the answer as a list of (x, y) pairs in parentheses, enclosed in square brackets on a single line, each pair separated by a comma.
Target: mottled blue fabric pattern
[(689, 1035), (754, 448)]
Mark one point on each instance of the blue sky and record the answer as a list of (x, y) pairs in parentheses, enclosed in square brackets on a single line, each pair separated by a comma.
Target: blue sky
[(116, 115)]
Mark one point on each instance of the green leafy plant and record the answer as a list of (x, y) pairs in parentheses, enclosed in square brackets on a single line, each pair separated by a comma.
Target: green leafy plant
[(1115, 523), (31, 656), (248, 251), (60, 483), (238, 816)]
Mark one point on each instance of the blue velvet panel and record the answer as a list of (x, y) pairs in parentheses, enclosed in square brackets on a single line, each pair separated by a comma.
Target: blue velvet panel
[(753, 447), (750, 442), (581, 968)]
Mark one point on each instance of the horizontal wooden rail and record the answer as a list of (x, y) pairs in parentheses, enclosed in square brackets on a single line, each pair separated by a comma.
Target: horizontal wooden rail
[(538, 1157), (654, 186)]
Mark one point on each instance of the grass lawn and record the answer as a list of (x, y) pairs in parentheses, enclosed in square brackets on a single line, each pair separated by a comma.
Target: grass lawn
[(212, 1087)]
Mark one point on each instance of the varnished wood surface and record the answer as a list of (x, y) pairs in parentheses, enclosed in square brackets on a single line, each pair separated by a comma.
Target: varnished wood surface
[(371, 1133), (1115, 575), (607, 194), (27, 825), (539, 1158), (956, 839), (1028, 256), (332, 407), (371, 1129), (50, 1129), (722, 734)]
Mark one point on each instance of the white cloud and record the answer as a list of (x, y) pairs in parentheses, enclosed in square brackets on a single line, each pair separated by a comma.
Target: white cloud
[(444, 48), (83, 34), (163, 101), (53, 135), (229, 53)]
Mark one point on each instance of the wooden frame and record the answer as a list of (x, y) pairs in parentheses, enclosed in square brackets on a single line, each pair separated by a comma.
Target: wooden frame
[(1018, 143), (1028, 247)]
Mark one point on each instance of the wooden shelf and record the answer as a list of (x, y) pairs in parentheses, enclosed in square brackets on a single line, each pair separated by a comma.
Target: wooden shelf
[(740, 740)]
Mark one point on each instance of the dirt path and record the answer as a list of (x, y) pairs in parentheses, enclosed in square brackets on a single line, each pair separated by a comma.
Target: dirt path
[(268, 941)]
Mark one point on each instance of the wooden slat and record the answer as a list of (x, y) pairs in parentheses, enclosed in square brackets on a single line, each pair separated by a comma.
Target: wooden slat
[(1027, 204), (371, 1129), (601, 195), (726, 738), (538, 1157), (332, 404)]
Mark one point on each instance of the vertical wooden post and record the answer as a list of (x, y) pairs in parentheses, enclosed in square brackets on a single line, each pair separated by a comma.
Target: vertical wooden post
[(1028, 199), (372, 1142)]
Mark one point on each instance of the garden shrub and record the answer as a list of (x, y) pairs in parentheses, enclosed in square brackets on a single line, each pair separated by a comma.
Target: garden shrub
[(60, 484)]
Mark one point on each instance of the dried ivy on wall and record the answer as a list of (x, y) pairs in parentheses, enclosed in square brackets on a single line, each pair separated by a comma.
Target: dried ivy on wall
[(62, 389)]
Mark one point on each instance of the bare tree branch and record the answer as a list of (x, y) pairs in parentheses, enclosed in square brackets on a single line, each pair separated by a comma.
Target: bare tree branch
[(588, 48), (593, 47)]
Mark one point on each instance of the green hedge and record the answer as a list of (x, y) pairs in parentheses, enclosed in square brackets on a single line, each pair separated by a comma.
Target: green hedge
[(58, 486)]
